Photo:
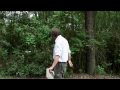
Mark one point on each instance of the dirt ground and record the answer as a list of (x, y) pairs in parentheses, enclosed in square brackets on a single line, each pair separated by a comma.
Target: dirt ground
[(74, 76), (86, 76)]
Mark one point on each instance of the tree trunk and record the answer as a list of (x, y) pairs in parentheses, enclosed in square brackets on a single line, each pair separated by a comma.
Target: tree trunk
[(90, 49)]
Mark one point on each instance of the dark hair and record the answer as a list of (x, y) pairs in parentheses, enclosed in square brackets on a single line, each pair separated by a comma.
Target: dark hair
[(55, 32)]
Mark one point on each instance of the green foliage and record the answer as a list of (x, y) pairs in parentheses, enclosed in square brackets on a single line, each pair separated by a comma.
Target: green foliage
[(27, 52), (30, 39), (100, 70), (26, 48)]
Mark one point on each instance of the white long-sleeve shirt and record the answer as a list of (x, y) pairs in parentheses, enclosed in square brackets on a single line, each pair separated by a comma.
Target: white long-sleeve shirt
[(61, 48)]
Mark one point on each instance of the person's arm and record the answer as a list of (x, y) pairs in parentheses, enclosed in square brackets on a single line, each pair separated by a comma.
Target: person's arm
[(69, 59), (69, 55), (56, 60), (57, 54)]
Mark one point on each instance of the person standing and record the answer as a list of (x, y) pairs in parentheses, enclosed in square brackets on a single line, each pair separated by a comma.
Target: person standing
[(61, 54)]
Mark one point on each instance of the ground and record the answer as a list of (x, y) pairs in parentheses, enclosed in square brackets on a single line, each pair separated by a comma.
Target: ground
[(86, 76), (75, 76)]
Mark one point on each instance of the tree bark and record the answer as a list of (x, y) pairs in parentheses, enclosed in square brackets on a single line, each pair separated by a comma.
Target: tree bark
[(90, 48)]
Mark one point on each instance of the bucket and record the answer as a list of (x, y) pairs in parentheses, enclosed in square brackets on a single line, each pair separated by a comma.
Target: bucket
[(49, 75)]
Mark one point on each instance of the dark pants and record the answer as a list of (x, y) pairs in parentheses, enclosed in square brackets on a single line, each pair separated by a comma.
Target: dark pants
[(60, 70)]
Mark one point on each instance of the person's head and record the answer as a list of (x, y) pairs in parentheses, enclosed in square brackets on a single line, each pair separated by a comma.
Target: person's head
[(55, 32)]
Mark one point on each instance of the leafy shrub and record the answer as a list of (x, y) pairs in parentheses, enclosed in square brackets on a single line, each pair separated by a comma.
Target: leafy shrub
[(100, 70)]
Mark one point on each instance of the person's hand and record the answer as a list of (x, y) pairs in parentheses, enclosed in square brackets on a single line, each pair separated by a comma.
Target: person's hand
[(50, 69), (70, 63)]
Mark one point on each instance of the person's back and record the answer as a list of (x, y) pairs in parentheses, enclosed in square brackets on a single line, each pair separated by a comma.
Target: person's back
[(64, 47)]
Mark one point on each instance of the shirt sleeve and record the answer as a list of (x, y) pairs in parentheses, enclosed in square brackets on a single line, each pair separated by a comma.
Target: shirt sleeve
[(57, 49)]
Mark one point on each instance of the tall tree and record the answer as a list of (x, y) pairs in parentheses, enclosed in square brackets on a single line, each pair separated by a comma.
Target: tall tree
[(89, 25)]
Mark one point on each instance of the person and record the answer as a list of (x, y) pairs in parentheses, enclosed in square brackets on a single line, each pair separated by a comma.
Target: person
[(61, 54)]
